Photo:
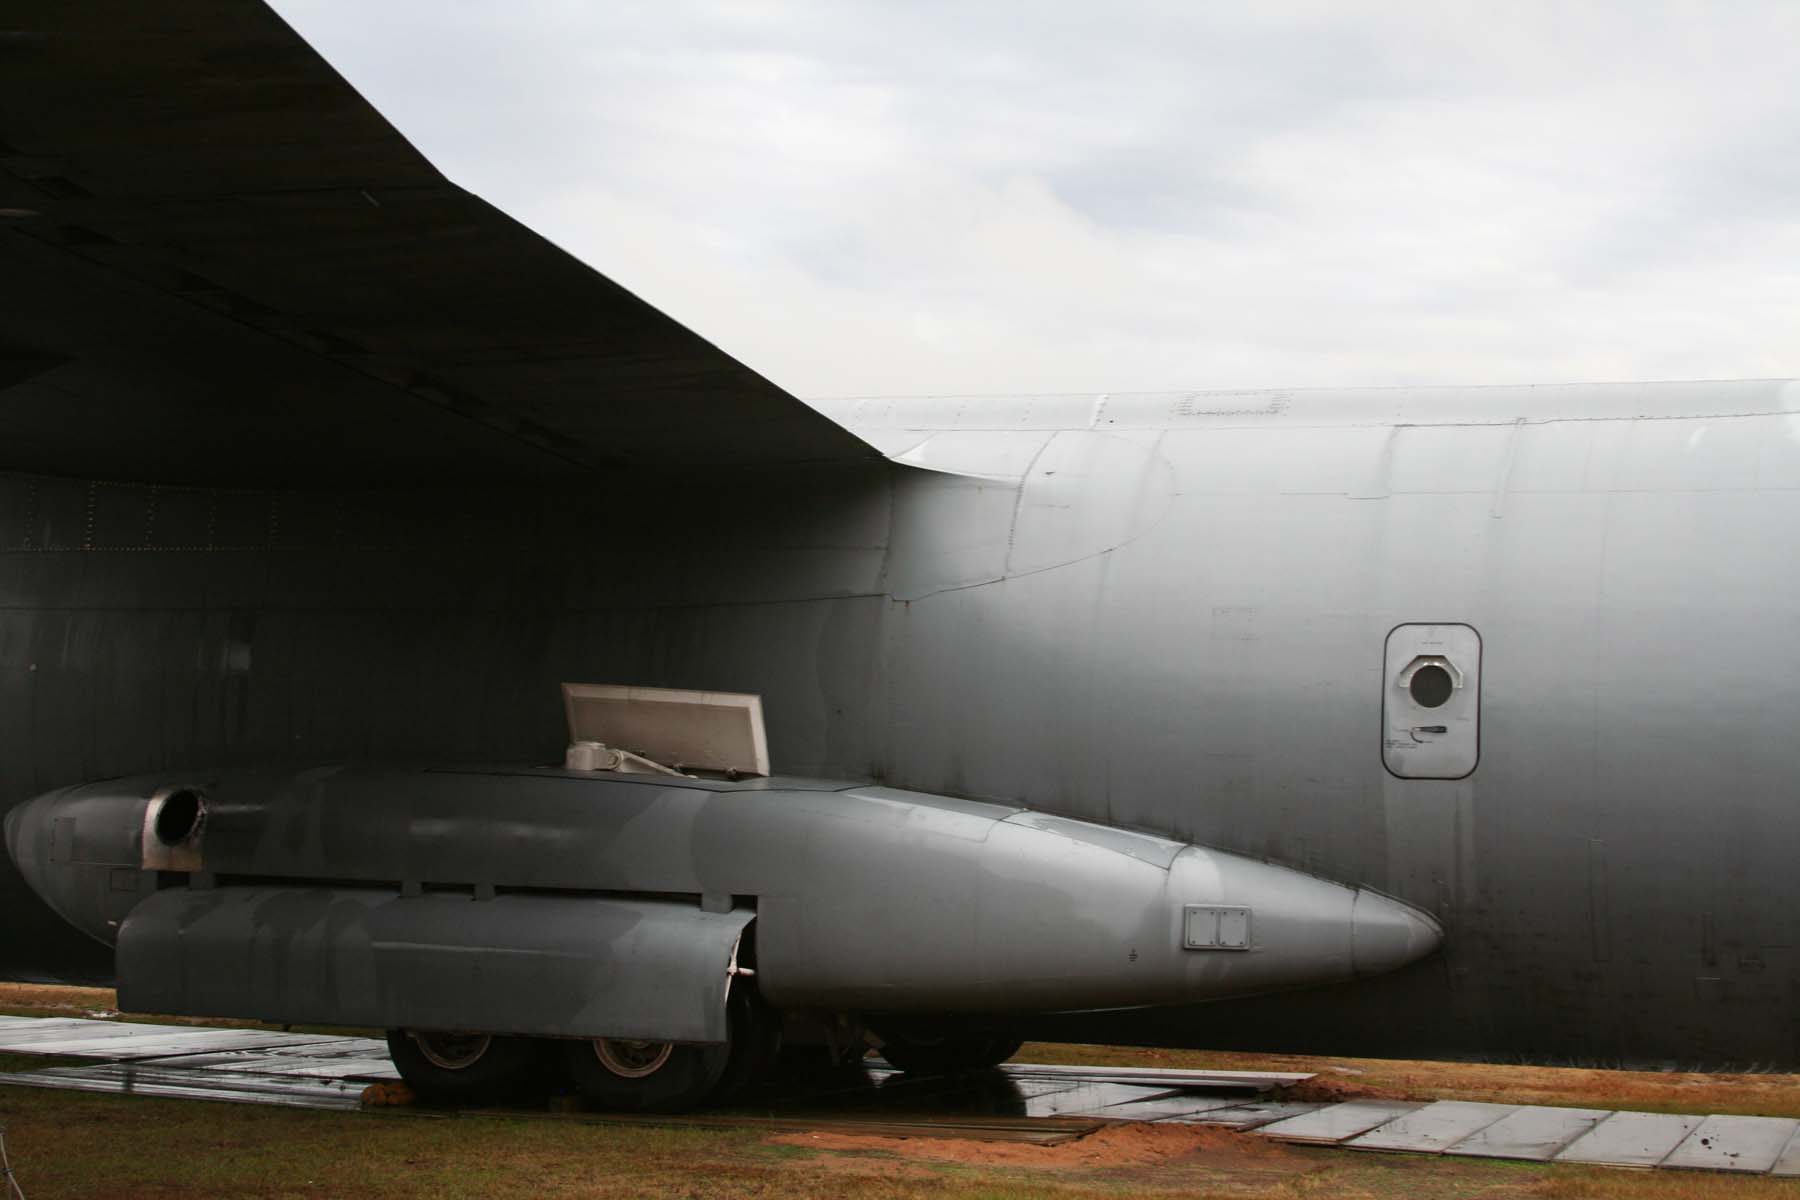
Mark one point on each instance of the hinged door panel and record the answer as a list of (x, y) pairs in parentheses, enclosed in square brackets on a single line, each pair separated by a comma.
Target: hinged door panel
[(1431, 701)]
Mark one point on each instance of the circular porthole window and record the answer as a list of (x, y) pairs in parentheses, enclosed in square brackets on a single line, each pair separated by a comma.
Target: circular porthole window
[(1431, 686)]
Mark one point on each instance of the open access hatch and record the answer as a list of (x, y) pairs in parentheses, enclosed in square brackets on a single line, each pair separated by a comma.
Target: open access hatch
[(718, 732)]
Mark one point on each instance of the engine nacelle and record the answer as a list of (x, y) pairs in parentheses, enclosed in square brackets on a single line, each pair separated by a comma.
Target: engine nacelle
[(553, 902)]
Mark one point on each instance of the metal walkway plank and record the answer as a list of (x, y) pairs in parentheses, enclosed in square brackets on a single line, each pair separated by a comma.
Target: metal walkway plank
[(303, 1066), (1431, 1129), (326, 1071), (134, 1074), (1340, 1122), (1630, 1139), (1788, 1165), (1533, 1133), (1249, 1116), (1725, 1143), (281, 1058), (1088, 1101), (1172, 1106), (186, 1090), (1260, 1081), (8, 1021), (168, 1044), (62, 1029)]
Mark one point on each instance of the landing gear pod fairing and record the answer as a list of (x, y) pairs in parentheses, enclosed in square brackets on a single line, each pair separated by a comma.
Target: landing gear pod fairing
[(628, 911)]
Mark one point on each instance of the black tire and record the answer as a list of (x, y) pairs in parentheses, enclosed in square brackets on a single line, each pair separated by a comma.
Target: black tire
[(645, 1076), (755, 1040), (466, 1068), (948, 1054)]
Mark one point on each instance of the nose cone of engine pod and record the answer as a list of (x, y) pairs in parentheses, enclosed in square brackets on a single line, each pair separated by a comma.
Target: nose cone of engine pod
[(1250, 927), (1386, 934)]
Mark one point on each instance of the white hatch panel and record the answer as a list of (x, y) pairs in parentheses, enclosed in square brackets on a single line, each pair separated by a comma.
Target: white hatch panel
[(1431, 701), (685, 730)]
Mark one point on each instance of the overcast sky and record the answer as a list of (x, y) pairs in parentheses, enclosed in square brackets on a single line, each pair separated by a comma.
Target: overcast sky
[(912, 197)]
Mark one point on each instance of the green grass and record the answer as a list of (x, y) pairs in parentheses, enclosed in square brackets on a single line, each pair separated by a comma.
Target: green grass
[(87, 1146)]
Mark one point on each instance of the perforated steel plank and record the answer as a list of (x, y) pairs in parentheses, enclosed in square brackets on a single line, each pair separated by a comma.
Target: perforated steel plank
[(1724, 1143), (1630, 1139), (1532, 1133), (1339, 1122), (1430, 1129)]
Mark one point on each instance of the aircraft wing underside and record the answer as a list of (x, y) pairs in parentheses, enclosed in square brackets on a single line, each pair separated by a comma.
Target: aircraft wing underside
[(220, 264)]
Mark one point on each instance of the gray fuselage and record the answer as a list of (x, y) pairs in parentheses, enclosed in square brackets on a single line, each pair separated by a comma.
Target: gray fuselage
[(1169, 612)]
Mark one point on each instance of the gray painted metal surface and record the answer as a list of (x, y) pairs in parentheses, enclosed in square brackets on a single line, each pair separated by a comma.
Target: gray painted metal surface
[(587, 966), (866, 899)]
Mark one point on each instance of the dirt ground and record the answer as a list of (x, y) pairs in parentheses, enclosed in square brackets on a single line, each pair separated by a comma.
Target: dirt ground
[(1115, 1146), (91, 1146)]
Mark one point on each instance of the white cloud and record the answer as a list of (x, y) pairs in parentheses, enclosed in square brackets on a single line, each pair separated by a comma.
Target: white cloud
[(879, 198)]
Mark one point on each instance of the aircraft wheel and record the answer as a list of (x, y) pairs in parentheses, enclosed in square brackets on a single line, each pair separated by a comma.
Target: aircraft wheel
[(465, 1068), (755, 1039), (949, 1054), (623, 1073)]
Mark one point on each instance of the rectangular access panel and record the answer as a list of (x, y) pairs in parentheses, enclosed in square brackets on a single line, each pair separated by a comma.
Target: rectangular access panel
[(1431, 701)]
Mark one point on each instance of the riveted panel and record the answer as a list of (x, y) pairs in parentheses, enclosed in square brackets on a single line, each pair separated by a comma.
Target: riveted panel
[(1215, 927)]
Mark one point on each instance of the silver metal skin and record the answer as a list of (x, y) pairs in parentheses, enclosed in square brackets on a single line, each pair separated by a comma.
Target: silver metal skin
[(558, 903)]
